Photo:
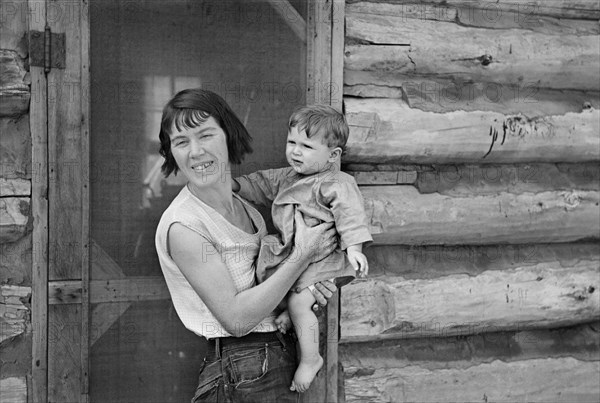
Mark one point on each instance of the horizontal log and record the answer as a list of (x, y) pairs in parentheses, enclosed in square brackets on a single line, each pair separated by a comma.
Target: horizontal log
[(496, 15), (15, 24), (14, 216), (109, 290), (388, 131), (540, 380), (465, 180), (580, 342), (430, 262), (469, 179), (545, 295), (579, 9), (14, 102), (13, 390), (16, 261), (15, 187), (396, 50), (400, 215), (446, 95), (12, 70), (14, 90), (384, 177), (15, 148), (14, 314)]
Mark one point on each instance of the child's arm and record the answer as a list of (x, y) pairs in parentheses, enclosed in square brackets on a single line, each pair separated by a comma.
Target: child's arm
[(259, 187), (346, 203), (358, 260)]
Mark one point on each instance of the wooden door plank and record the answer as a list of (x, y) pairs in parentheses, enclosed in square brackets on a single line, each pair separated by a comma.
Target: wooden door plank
[(320, 87), (68, 139), (38, 118)]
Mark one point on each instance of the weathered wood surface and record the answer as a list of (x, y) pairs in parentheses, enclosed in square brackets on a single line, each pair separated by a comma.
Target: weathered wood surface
[(67, 212), (15, 148), (582, 9), (15, 24), (434, 261), (446, 94), (323, 33), (14, 215), (127, 289), (388, 131), (13, 390), (14, 88), (400, 215), (535, 296), (14, 187), (14, 310), (64, 353), (363, 361), (433, 49), (38, 117), (470, 179), (581, 342), (524, 381), (463, 180), (15, 261), (497, 15), (385, 177)]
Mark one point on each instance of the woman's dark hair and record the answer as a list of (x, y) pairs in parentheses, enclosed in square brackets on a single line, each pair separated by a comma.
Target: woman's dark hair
[(190, 108)]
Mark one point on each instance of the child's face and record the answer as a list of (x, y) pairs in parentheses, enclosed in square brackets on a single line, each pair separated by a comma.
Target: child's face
[(307, 155)]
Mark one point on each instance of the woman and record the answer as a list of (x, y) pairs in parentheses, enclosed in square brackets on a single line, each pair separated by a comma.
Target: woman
[(207, 241)]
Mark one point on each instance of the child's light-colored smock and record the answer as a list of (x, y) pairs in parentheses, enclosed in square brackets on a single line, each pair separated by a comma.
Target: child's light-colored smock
[(238, 250), (330, 196)]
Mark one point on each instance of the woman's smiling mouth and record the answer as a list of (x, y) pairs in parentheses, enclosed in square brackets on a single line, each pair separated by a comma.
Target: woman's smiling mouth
[(202, 167)]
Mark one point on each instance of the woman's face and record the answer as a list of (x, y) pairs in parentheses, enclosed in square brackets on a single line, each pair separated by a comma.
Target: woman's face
[(201, 154)]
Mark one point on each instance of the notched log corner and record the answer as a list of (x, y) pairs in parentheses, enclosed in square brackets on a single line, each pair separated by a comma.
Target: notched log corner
[(14, 84), (14, 214), (14, 311)]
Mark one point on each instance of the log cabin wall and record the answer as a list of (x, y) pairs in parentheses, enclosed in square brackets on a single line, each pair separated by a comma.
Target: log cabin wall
[(15, 201), (475, 138)]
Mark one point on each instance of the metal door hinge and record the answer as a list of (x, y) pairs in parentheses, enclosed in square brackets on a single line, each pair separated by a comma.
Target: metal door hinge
[(47, 49)]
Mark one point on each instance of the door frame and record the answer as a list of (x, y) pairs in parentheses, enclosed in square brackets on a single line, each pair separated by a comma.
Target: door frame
[(65, 280)]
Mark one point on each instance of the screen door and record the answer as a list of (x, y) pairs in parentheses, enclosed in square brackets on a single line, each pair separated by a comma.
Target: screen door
[(252, 53)]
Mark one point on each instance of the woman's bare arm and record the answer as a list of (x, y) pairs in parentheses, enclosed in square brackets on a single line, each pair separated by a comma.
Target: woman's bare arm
[(239, 312)]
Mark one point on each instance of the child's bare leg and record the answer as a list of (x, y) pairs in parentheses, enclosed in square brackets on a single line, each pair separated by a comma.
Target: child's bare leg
[(307, 328)]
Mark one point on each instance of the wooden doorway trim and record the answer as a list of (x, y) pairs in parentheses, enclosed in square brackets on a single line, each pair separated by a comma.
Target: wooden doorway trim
[(38, 122), (324, 73), (59, 117), (61, 205)]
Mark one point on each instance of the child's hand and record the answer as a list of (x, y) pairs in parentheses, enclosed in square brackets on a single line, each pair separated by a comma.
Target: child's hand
[(359, 261)]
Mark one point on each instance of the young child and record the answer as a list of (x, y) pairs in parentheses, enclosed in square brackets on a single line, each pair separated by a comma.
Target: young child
[(313, 184)]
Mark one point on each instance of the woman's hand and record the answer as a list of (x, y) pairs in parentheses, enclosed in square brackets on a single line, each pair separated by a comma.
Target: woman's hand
[(322, 291), (313, 243)]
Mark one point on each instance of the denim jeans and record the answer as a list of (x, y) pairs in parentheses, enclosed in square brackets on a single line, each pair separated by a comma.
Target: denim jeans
[(249, 371)]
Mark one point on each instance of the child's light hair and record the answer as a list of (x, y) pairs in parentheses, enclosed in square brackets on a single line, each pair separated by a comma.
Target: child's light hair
[(321, 120)]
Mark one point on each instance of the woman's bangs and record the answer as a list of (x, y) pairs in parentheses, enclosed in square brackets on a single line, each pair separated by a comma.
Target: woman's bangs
[(189, 119)]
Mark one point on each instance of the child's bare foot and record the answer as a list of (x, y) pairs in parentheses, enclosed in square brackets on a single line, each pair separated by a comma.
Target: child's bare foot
[(305, 373), (283, 322)]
